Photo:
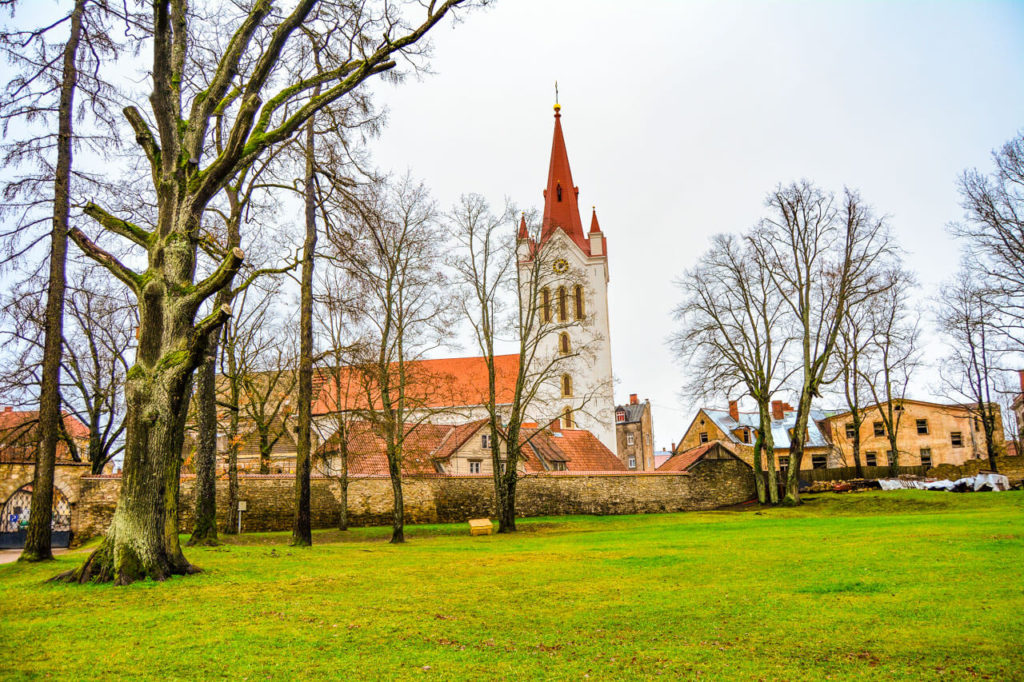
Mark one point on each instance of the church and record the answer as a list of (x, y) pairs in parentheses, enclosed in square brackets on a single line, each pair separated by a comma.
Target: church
[(573, 300)]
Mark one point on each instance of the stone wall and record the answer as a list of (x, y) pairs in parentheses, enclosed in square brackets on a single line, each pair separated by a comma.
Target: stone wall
[(444, 499), (67, 476), (1011, 467)]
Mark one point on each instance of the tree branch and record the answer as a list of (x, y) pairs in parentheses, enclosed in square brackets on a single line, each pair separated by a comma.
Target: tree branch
[(116, 267), (117, 225)]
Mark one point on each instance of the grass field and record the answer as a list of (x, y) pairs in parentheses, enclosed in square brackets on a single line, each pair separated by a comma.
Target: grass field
[(905, 584)]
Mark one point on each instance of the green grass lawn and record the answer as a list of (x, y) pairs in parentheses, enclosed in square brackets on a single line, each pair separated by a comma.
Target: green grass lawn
[(906, 584)]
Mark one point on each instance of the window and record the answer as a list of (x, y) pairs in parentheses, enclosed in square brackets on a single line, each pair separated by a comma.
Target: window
[(703, 436), (485, 441), (850, 431), (564, 347), (545, 305), (567, 418), (566, 385), (745, 435), (620, 416), (578, 295), (879, 429), (926, 457), (957, 439), (783, 462), (922, 427), (630, 439), (871, 459), (474, 466), (819, 461), (558, 191), (632, 463), (563, 305), (504, 466)]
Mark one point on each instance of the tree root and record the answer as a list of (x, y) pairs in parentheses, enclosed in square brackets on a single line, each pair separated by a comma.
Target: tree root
[(122, 568)]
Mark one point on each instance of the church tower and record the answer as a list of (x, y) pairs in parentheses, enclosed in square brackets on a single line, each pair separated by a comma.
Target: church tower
[(574, 298)]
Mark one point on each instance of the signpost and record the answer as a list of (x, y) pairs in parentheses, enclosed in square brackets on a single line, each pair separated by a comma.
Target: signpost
[(242, 506)]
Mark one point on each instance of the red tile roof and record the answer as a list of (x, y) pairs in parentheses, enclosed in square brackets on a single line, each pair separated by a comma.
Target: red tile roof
[(579, 450), (19, 437), (447, 382), (426, 445), (686, 459)]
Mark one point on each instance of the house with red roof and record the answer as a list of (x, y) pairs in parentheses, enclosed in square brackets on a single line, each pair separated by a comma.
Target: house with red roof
[(19, 436), (465, 449)]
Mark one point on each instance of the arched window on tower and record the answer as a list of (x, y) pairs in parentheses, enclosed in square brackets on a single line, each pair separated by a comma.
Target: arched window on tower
[(564, 346), (567, 419), (566, 385), (558, 192), (563, 305), (545, 305), (578, 294)]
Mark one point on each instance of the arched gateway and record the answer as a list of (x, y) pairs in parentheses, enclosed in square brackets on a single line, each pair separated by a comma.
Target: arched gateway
[(14, 522)]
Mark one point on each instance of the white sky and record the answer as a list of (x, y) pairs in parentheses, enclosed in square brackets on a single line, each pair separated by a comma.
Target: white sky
[(680, 116)]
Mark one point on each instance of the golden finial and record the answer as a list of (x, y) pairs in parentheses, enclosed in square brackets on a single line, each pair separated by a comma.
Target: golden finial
[(558, 106)]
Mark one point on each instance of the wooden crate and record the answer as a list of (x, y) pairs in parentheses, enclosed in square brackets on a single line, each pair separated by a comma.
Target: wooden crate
[(480, 527)]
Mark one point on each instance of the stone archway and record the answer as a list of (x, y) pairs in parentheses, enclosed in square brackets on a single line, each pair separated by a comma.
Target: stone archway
[(16, 512)]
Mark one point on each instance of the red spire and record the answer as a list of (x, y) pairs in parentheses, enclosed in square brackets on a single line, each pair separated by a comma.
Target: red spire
[(594, 227), (560, 206), (523, 234)]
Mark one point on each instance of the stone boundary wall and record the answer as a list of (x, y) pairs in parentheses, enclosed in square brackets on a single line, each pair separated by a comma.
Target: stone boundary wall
[(1011, 467), (443, 499), (67, 476)]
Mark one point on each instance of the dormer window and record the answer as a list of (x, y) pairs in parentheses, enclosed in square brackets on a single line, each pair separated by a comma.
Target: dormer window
[(558, 192)]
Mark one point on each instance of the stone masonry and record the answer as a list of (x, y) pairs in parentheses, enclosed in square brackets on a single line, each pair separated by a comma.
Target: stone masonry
[(444, 499)]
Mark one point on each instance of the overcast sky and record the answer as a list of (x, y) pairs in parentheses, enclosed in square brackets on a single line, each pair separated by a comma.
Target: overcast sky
[(680, 116)]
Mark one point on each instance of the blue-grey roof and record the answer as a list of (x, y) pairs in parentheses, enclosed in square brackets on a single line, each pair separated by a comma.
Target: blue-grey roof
[(634, 412), (780, 428)]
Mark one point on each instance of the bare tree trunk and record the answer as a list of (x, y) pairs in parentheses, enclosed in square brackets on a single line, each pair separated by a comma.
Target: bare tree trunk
[(398, 509), (231, 528), (204, 529), (37, 541), (302, 534), (343, 480)]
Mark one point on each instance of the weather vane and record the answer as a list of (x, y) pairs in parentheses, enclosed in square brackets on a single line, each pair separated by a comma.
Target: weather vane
[(556, 92)]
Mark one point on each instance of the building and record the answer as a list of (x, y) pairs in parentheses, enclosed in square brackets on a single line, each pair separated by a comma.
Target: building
[(574, 295), (739, 431), (687, 459), (634, 435), (19, 440), (465, 449), (19, 436), (929, 434)]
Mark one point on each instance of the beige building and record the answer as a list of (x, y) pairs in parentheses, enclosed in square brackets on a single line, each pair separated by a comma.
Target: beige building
[(634, 434), (929, 434)]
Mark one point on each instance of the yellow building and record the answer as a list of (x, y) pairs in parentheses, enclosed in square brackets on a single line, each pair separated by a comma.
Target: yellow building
[(928, 434), (739, 431)]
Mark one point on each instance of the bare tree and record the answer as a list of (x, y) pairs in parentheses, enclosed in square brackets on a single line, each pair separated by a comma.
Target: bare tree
[(249, 87), (893, 354), (734, 335), (852, 349), (967, 318), (392, 250), (993, 232), (48, 75), (336, 304), (823, 258)]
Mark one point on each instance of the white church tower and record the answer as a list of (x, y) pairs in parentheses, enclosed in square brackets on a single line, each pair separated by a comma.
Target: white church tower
[(574, 297)]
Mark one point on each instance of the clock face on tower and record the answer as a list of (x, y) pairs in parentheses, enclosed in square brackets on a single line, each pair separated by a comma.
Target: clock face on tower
[(561, 265)]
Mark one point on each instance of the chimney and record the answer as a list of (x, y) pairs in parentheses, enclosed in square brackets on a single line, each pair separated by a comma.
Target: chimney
[(734, 410), (1021, 373), (634, 401), (556, 426), (777, 410), (673, 450), (8, 408)]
